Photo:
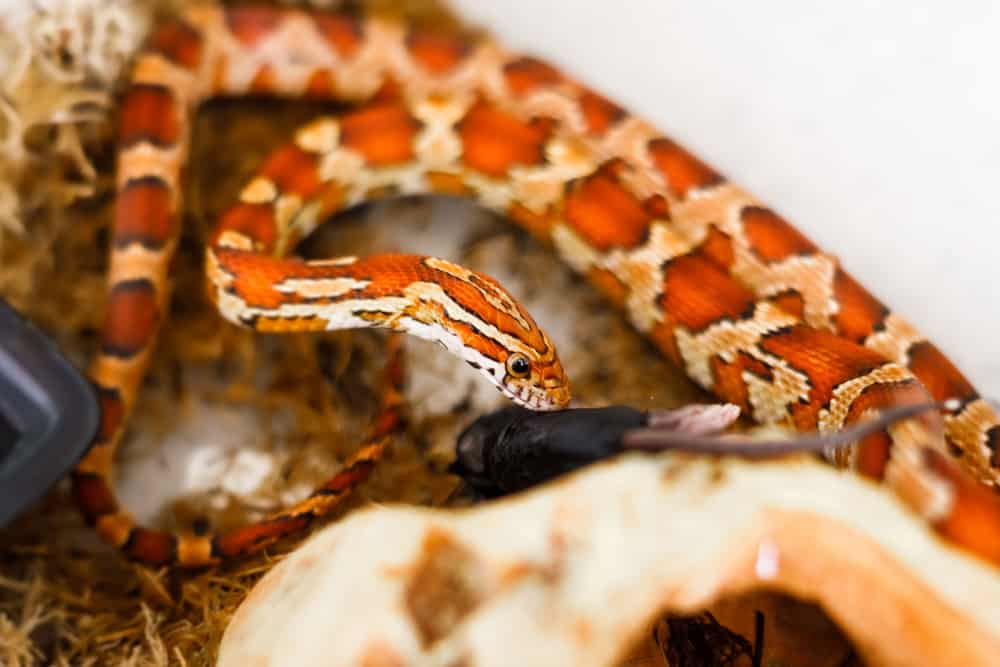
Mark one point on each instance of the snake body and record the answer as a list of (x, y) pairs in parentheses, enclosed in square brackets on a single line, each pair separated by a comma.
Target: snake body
[(720, 283)]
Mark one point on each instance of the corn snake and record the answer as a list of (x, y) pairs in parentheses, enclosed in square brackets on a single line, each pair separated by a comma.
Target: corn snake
[(722, 285)]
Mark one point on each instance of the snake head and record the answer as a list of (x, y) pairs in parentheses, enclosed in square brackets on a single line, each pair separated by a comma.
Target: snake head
[(529, 371), (534, 379), (484, 324)]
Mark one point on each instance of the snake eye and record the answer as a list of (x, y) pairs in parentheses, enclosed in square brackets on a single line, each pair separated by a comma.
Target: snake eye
[(518, 365)]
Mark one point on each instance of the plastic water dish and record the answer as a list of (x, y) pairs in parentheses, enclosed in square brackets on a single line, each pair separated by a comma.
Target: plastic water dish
[(48, 414)]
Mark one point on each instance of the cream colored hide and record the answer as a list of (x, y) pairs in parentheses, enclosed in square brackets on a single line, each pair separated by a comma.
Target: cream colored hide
[(574, 572)]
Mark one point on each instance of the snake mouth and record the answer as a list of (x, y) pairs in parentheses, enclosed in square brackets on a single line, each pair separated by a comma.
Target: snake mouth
[(536, 398)]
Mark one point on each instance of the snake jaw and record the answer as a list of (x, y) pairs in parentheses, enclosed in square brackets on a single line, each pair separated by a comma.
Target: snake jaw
[(557, 398), (530, 394)]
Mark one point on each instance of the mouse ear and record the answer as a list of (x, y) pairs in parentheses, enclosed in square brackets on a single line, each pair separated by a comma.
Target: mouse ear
[(668, 437)]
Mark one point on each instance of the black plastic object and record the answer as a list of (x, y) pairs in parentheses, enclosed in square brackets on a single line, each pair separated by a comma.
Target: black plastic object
[(48, 414)]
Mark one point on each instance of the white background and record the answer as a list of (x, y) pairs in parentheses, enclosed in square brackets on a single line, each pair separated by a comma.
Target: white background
[(872, 126)]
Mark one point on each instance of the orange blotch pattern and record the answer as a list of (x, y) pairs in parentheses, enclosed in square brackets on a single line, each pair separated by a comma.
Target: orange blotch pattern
[(251, 24), (220, 69), (526, 74), (697, 293), (292, 170), (143, 214), (825, 358), (264, 81), (446, 183), (148, 113), (602, 211), (728, 381), (860, 312), (938, 374), (537, 224), (657, 206), (179, 43), (662, 336), (131, 318), (770, 237), (354, 475), (791, 302), (435, 52), (382, 133), (718, 247), (321, 85), (599, 113), (874, 450), (329, 199), (493, 141), (390, 91), (974, 520), (608, 284), (112, 412), (872, 455), (93, 495), (247, 538), (153, 547), (255, 221), (341, 32), (681, 170)]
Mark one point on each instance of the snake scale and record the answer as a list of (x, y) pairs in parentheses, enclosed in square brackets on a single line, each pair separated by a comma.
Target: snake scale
[(721, 284)]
